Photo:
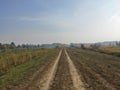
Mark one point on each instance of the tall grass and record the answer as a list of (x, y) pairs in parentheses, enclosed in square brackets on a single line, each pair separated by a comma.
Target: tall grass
[(20, 70), (112, 50), (10, 59)]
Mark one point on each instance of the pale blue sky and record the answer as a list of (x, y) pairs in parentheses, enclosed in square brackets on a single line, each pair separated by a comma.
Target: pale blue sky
[(64, 21)]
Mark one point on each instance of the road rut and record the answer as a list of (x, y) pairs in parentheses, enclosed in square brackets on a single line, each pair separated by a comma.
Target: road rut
[(78, 84), (62, 80), (48, 78), (56, 74)]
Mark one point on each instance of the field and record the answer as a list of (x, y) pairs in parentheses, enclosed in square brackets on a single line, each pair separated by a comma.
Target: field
[(98, 71), (59, 69), (113, 50)]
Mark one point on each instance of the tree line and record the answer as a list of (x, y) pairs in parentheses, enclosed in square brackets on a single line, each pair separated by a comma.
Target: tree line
[(12, 45)]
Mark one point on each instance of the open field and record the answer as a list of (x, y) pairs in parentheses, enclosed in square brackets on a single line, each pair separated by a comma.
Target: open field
[(113, 50), (110, 49), (98, 71), (59, 44), (64, 69)]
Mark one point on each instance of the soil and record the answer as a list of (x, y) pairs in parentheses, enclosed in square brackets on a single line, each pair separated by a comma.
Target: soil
[(75, 69), (62, 80), (97, 71), (77, 82)]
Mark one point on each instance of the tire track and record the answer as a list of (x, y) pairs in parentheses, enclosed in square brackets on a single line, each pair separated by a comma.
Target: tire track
[(78, 84), (63, 79), (59, 74), (45, 83)]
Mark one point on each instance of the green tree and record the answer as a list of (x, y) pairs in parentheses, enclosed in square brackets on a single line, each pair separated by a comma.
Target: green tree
[(82, 46), (12, 45)]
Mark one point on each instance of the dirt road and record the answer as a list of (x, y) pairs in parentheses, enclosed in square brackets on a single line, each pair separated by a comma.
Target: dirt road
[(66, 77), (45, 82), (74, 69), (57, 74), (62, 80)]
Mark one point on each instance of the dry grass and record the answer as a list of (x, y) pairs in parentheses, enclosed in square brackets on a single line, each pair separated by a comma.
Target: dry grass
[(110, 49), (19, 66), (13, 58)]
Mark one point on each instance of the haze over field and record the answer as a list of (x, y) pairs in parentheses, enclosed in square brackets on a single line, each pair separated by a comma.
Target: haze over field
[(64, 21)]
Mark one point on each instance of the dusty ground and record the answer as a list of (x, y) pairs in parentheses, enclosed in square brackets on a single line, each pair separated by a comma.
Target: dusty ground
[(46, 81), (77, 83), (62, 80)]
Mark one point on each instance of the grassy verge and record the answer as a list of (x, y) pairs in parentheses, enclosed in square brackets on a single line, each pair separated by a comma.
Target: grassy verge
[(19, 73)]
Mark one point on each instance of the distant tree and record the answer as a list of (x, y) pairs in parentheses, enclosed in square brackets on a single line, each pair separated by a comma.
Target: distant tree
[(6, 47), (57, 47), (12, 45), (38, 46), (71, 45), (118, 43), (95, 46), (0, 45), (23, 46), (82, 46), (18, 46), (28, 46)]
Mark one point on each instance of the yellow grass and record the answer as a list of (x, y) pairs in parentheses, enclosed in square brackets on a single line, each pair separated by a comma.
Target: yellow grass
[(10, 59), (110, 49)]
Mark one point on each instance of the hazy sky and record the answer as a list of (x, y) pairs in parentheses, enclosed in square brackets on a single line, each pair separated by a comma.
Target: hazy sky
[(64, 21)]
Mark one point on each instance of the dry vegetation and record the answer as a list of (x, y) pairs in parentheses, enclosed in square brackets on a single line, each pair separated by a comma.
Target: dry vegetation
[(13, 58), (110, 49), (17, 66)]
